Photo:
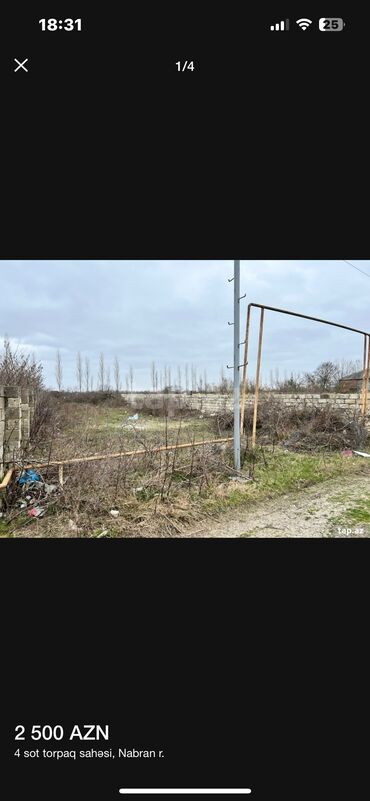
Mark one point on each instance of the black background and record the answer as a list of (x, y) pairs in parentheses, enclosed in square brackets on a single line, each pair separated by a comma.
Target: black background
[(110, 151), (243, 660)]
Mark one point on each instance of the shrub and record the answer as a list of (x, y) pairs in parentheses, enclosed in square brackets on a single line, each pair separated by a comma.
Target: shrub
[(19, 369)]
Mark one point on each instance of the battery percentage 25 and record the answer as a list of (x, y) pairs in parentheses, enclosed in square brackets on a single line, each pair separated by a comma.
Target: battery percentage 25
[(331, 24)]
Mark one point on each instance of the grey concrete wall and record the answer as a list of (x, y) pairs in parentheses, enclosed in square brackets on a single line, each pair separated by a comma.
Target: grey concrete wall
[(208, 403), (17, 407)]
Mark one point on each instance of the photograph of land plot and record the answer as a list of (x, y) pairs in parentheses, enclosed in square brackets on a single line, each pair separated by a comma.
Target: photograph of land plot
[(184, 399)]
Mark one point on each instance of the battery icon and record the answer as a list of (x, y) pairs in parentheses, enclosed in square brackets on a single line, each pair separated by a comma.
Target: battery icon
[(331, 24)]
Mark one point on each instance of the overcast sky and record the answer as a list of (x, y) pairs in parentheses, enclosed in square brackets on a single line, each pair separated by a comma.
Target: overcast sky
[(176, 312)]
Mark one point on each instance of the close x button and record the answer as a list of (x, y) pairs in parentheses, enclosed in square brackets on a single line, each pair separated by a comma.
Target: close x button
[(21, 65)]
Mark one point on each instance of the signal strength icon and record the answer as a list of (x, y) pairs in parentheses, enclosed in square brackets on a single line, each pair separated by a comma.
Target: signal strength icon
[(280, 26), (304, 23)]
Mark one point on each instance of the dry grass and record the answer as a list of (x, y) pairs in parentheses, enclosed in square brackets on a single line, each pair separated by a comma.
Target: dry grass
[(155, 494), (158, 494), (301, 429)]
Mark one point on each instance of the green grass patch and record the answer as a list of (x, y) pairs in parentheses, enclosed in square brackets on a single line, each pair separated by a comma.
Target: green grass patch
[(357, 513), (283, 473), (4, 529)]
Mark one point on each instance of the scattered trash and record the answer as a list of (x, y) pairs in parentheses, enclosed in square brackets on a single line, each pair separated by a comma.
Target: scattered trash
[(39, 493), (240, 478), (27, 476), (103, 534), (138, 489), (347, 452), (114, 512), (49, 488), (36, 511), (133, 417), (73, 526), (359, 453)]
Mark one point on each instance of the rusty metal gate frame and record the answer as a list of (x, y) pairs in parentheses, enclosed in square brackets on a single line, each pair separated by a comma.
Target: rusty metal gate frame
[(263, 308)]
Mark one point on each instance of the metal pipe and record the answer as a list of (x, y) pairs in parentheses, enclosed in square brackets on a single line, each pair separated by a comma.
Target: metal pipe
[(364, 359), (244, 379), (256, 393), (308, 317), (236, 364), (363, 384), (6, 479), (367, 375), (120, 454)]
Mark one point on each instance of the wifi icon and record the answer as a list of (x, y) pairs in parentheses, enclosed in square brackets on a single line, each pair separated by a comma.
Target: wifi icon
[(304, 23)]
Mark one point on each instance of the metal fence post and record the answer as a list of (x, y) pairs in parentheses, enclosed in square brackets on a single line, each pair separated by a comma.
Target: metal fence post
[(236, 364), (257, 389)]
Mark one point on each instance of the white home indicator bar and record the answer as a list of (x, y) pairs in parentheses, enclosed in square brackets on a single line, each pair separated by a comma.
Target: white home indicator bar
[(183, 791)]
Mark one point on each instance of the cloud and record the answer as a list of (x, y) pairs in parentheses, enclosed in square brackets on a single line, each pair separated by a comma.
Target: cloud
[(176, 312)]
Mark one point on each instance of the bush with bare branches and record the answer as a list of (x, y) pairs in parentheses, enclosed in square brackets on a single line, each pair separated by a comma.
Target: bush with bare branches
[(19, 369)]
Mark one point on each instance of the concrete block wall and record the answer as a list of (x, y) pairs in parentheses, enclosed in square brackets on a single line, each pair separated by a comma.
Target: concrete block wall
[(17, 407), (212, 404)]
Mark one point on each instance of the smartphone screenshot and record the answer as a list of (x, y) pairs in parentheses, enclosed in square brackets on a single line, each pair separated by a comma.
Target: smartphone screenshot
[(184, 437)]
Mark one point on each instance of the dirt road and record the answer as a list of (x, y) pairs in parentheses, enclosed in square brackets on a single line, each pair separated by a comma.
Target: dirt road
[(339, 507)]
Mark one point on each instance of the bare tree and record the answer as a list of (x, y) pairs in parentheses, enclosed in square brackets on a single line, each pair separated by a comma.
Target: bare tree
[(131, 377), (79, 371), (59, 370), (127, 382), (101, 372), (325, 376), (91, 383), (156, 380), (107, 379), (193, 377), (152, 371), (348, 366), (18, 369), (87, 374), (205, 380), (187, 377), (179, 377), (224, 384), (117, 374), (169, 377)]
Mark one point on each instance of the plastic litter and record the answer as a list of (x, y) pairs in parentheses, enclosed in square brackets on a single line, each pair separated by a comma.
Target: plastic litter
[(114, 512), (36, 511), (73, 526), (49, 488), (360, 453), (347, 452), (133, 417), (28, 475)]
